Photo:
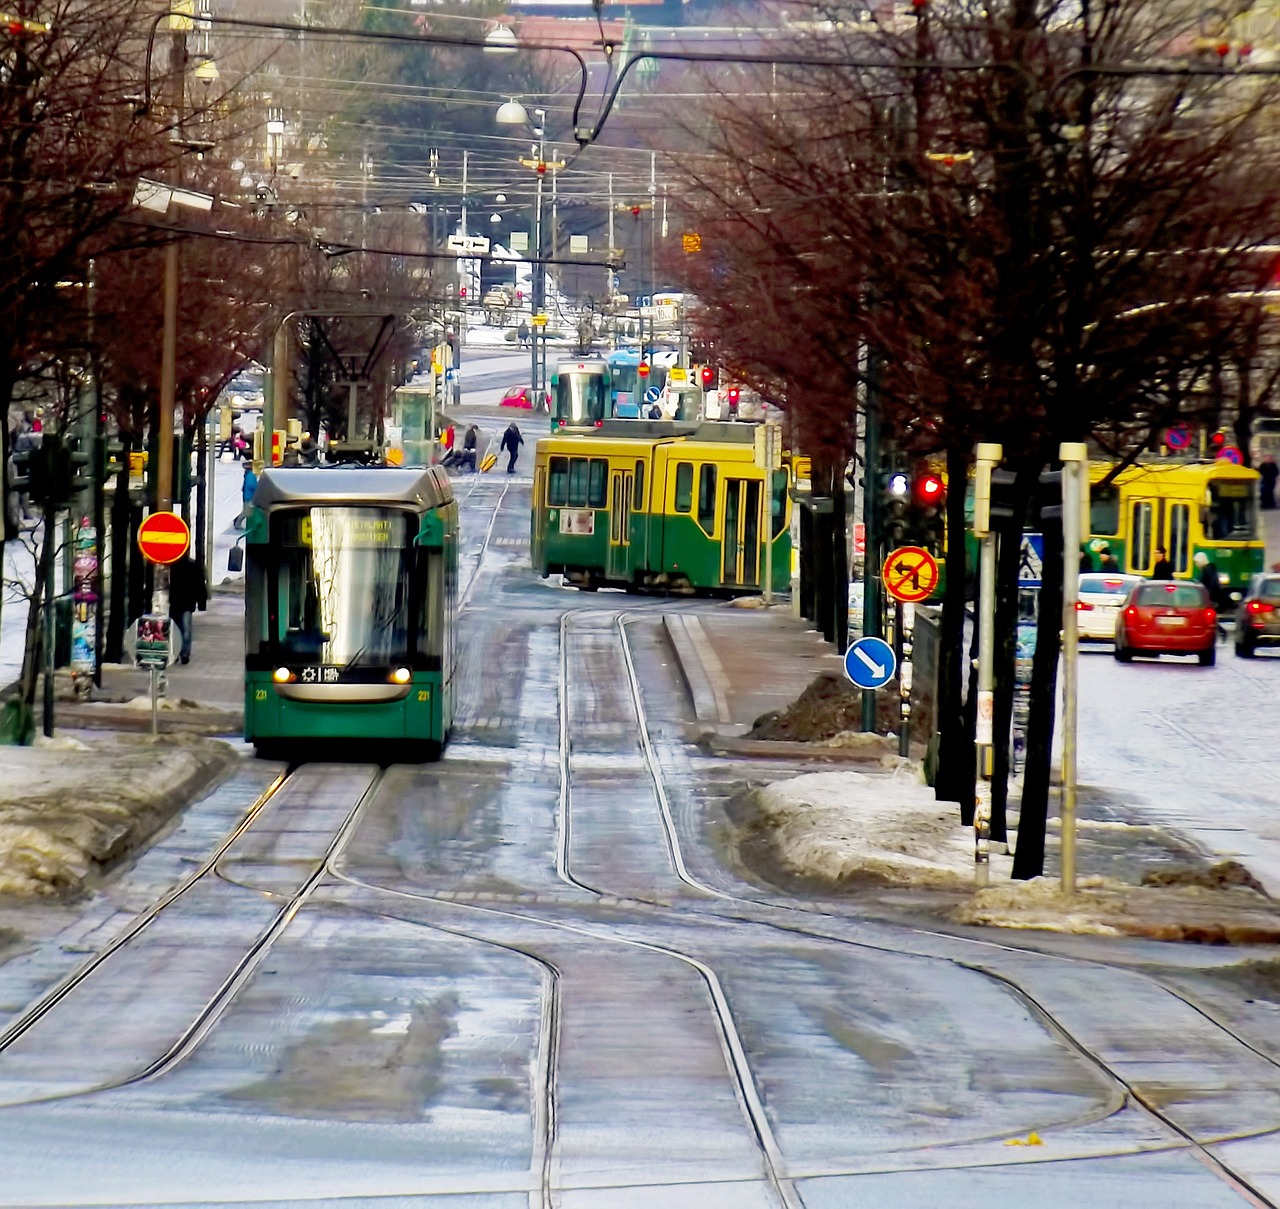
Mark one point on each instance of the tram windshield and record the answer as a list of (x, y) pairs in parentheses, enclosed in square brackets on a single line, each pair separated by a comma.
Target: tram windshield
[(580, 397), (1231, 511), (340, 592)]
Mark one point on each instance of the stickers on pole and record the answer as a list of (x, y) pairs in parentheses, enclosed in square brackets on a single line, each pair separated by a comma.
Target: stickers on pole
[(910, 574)]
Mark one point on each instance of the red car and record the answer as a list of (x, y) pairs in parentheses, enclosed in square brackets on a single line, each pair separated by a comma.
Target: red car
[(1167, 618), (522, 396)]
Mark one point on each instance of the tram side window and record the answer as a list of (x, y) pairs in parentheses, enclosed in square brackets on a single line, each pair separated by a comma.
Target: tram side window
[(1104, 511), (637, 499), (684, 486), (1179, 536), (1231, 512), (778, 502), (586, 482), (1140, 537), (707, 498), (558, 483)]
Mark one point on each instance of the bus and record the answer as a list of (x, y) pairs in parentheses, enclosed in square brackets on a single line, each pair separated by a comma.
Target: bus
[(580, 395), (627, 387)]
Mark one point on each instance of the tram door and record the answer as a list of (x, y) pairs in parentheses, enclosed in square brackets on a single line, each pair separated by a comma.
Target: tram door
[(741, 529), (1155, 522), (620, 525)]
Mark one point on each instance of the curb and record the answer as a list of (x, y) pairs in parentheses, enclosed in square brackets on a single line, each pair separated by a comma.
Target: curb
[(700, 668), (786, 749)]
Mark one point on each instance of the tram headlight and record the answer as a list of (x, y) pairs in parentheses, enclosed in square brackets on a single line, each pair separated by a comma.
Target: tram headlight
[(282, 675), (402, 675)]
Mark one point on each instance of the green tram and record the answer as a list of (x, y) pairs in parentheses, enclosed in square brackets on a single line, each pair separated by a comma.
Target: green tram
[(580, 395), (653, 505), (351, 583)]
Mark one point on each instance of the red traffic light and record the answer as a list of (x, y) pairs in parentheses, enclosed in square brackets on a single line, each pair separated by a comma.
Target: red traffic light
[(1218, 440), (462, 292), (929, 489), (708, 376), (733, 394), (643, 369)]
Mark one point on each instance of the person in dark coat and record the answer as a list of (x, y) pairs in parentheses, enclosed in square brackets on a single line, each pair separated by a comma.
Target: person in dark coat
[(1163, 568), (469, 443), (1270, 472), (1086, 561), (187, 592), (511, 442), (1207, 574), (1107, 561)]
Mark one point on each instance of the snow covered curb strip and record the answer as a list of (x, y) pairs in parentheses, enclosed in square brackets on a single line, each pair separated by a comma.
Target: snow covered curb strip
[(841, 829), (68, 808)]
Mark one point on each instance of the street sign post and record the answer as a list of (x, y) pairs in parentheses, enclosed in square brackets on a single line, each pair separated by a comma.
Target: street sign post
[(163, 538), (910, 574), (870, 663)]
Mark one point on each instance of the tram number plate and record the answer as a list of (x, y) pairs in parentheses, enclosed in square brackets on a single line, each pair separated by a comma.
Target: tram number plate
[(318, 675), (578, 521)]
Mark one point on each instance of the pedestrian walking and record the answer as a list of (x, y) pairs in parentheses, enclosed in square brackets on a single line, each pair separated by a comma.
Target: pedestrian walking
[(523, 333), (1163, 568), (1270, 472), (247, 488), (469, 442), (511, 442), (188, 591)]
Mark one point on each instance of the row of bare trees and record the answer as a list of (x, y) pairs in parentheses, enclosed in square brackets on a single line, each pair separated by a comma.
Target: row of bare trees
[(1021, 221)]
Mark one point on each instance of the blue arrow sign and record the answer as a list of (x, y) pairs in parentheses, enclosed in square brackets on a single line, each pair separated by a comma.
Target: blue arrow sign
[(652, 395), (870, 663)]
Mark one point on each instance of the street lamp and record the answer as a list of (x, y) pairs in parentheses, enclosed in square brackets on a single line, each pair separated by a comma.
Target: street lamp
[(512, 113)]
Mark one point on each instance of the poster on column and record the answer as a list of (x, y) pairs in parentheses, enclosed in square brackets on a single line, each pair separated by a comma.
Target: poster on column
[(84, 601)]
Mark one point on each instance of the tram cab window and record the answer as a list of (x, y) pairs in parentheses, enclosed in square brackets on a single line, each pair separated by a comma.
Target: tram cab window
[(558, 483), (778, 502), (341, 592), (707, 498), (1231, 512), (684, 486), (1104, 511), (637, 498)]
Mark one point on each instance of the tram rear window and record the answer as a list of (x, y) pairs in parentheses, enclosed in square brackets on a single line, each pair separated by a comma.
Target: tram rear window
[(577, 482)]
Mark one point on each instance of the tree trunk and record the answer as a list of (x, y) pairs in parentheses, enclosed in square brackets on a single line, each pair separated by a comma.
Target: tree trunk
[(969, 769), (1004, 653), (953, 752), (807, 539), (113, 652), (1028, 860), (839, 564)]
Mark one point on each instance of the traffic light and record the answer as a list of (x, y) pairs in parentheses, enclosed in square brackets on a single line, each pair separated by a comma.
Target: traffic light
[(1218, 440), (928, 513), (462, 291), (732, 397), (893, 508), (1048, 499), (707, 376)]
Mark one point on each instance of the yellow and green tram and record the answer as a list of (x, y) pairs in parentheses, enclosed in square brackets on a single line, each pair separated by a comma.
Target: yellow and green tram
[(1182, 507), (660, 507), (351, 578)]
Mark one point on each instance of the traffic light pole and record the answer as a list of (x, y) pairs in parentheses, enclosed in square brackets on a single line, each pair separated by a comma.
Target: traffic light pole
[(871, 625), (1075, 459)]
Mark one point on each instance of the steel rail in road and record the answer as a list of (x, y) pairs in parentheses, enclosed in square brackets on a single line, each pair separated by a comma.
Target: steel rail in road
[(484, 545), (42, 1006)]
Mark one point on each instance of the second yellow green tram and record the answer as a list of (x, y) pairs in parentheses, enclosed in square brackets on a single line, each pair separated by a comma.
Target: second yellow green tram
[(650, 508)]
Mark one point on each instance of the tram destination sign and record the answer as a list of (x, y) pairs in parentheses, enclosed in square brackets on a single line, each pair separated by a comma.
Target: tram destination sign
[(163, 538)]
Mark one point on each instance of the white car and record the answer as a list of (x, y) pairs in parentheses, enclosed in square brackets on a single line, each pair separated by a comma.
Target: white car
[(1101, 595)]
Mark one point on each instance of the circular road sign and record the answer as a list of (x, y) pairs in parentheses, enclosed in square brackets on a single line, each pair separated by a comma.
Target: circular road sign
[(1230, 453), (910, 574), (163, 538), (1178, 437), (652, 394), (870, 663)]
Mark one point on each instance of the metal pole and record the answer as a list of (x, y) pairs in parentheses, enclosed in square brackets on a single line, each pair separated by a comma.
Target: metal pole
[(280, 381), (871, 626), (989, 457), (608, 273), (168, 381), (1074, 456), (771, 452), (155, 700), (210, 462), (539, 269), (904, 626)]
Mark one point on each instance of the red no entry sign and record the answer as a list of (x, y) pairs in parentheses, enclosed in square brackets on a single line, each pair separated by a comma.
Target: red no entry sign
[(163, 538), (910, 574)]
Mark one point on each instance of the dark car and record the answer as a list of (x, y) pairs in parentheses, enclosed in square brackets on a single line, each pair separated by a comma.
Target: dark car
[(1258, 617), (1167, 618)]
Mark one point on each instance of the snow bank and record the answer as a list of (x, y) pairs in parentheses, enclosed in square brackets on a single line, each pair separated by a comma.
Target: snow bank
[(838, 827), (69, 807)]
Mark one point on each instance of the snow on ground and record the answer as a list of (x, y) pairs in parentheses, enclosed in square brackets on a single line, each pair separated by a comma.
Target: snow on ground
[(842, 828), (69, 807)]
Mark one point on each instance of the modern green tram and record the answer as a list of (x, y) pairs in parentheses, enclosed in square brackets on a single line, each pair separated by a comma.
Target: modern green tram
[(351, 583)]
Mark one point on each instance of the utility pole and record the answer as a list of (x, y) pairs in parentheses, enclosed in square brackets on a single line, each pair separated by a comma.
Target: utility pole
[(989, 457), (871, 627), (1074, 456)]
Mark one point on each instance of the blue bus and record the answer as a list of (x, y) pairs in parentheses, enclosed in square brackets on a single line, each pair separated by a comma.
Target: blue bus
[(627, 388)]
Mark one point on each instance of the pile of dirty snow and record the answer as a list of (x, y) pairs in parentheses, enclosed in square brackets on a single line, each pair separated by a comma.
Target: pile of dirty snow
[(839, 828), (68, 808)]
